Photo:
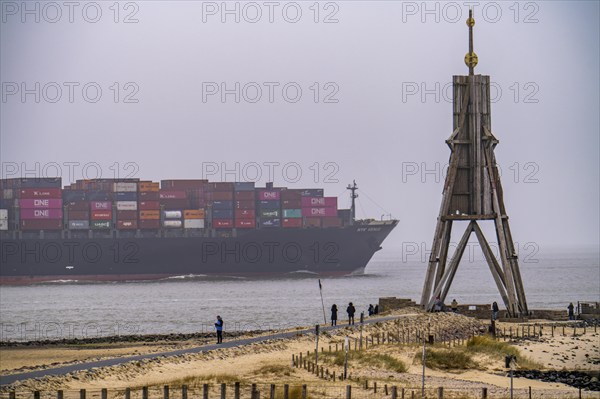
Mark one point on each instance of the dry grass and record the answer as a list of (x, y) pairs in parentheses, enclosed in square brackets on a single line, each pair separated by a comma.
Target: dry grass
[(498, 350)]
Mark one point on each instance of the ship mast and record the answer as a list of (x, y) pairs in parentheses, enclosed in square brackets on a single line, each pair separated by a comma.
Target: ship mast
[(353, 187)]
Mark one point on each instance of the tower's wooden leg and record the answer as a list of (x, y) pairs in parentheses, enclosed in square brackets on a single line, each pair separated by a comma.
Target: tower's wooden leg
[(493, 264)]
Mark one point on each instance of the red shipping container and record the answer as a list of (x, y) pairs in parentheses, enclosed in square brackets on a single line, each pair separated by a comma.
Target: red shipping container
[(41, 224), (321, 212), (150, 214), (78, 215), (293, 222), (245, 223), (183, 184), (101, 205), (101, 215), (331, 222), (245, 195), (244, 204), (148, 196), (149, 224), (268, 195), (319, 202), (220, 186), (41, 214), (127, 215), (46, 203), (291, 204), (245, 214), (148, 205), (291, 195), (78, 206), (312, 222), (41, 193), (172, 194), (127, 224), (220, 196), (222, 223), (175, 204)]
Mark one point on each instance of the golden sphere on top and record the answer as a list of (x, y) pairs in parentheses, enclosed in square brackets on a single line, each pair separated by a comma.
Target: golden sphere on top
[(470, 22), (471, 59)]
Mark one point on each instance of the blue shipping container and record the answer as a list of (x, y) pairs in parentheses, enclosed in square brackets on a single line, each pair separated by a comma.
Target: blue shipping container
[(222, 204), (125, 196), (269, 204), (222, 213), (292, 213), (243, 186), (74, 195)]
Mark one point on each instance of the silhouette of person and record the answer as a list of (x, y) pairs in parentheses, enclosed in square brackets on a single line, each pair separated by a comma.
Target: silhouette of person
[(334, 315), (350, 310), (219, 327)]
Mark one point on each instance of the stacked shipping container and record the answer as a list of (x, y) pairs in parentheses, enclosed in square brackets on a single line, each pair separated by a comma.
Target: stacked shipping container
[(130, 204)]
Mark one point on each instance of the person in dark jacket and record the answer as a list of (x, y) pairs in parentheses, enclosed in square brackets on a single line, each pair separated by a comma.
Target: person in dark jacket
[(371, 311), (376, 309), (571, 312), (495, 310), (334, 315), (219, 327), (350, 310)]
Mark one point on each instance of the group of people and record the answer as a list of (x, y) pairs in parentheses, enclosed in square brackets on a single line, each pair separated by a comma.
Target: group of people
[(373, 310)]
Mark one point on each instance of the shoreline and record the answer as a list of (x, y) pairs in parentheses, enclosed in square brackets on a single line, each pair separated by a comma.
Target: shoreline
[(245, 362)]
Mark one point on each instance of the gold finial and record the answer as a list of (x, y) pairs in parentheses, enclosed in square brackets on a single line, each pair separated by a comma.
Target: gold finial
[(471, 58)]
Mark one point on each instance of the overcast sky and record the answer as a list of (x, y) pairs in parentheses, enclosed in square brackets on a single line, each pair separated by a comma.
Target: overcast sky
[(332, 90)]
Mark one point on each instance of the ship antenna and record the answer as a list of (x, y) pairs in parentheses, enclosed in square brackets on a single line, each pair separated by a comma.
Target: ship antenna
[(353, 187)]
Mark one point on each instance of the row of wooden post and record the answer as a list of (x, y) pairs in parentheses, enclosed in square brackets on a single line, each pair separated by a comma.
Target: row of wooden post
[(538, 331)]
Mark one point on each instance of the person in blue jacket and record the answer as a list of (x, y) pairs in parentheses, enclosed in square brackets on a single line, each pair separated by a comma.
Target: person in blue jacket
[(219, 327)]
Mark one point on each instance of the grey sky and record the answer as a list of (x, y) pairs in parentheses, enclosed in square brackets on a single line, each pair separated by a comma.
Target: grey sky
[(542, 56)]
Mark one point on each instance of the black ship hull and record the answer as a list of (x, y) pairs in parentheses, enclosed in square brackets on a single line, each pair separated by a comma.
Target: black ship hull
[(256, 252)]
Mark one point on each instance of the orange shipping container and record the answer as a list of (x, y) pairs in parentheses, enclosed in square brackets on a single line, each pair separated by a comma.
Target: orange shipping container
[(149, 215), (148, 186), (101, 215), (193, 214)]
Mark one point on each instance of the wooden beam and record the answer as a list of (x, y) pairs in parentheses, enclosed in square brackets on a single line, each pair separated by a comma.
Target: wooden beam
[(493, 264)]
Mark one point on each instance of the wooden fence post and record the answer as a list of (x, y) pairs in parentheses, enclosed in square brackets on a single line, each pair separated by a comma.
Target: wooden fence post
[(484, 393), (184, 389), (529, 392), (36, 395), (375, 387), (223, 391), (385, 389), (286, 391), (13, 395), (253, 393), (81, 394), (204, 391), (441, 393), (304, 392), (394, 392), (166, 392), (144, 392), (348, 391), (272, 392), (236, 390), (59, 395), (104, 393)]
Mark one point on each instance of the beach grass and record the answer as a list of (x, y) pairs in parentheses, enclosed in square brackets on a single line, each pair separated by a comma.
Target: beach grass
[(488, 345), (366, 359)]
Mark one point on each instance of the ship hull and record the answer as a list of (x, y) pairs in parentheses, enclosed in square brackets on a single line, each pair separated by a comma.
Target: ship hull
[(254, 253)]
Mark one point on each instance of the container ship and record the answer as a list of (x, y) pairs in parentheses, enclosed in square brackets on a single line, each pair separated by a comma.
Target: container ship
[(131, 229)]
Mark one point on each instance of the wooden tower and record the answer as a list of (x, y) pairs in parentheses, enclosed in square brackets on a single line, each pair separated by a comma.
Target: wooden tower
[(473, 193)]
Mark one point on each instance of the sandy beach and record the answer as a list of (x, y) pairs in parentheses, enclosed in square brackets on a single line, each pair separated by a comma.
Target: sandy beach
[(270, 361)]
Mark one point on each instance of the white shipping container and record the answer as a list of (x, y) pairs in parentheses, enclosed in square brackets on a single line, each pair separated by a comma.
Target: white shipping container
[(127, 205), (3, 224), (172, 223), (125, 187), (8, 193), (3, 214), (79, 224), (172, 214), (193, 223)]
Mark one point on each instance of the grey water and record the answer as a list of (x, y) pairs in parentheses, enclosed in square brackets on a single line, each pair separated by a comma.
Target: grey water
[(185, 305)]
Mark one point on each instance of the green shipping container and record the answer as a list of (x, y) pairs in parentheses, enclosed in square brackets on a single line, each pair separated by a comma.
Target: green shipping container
[(100, 224), (269, 213), (292, 213)]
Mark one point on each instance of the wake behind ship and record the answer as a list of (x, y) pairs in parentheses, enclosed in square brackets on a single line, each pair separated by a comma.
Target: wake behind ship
[(127, 229)]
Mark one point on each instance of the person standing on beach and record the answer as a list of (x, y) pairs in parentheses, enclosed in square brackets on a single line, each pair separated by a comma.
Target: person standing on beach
[(350, 310), (334, 315), (454, 306), (219, 327), (495, 310), (371, 310), (571, 312)]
